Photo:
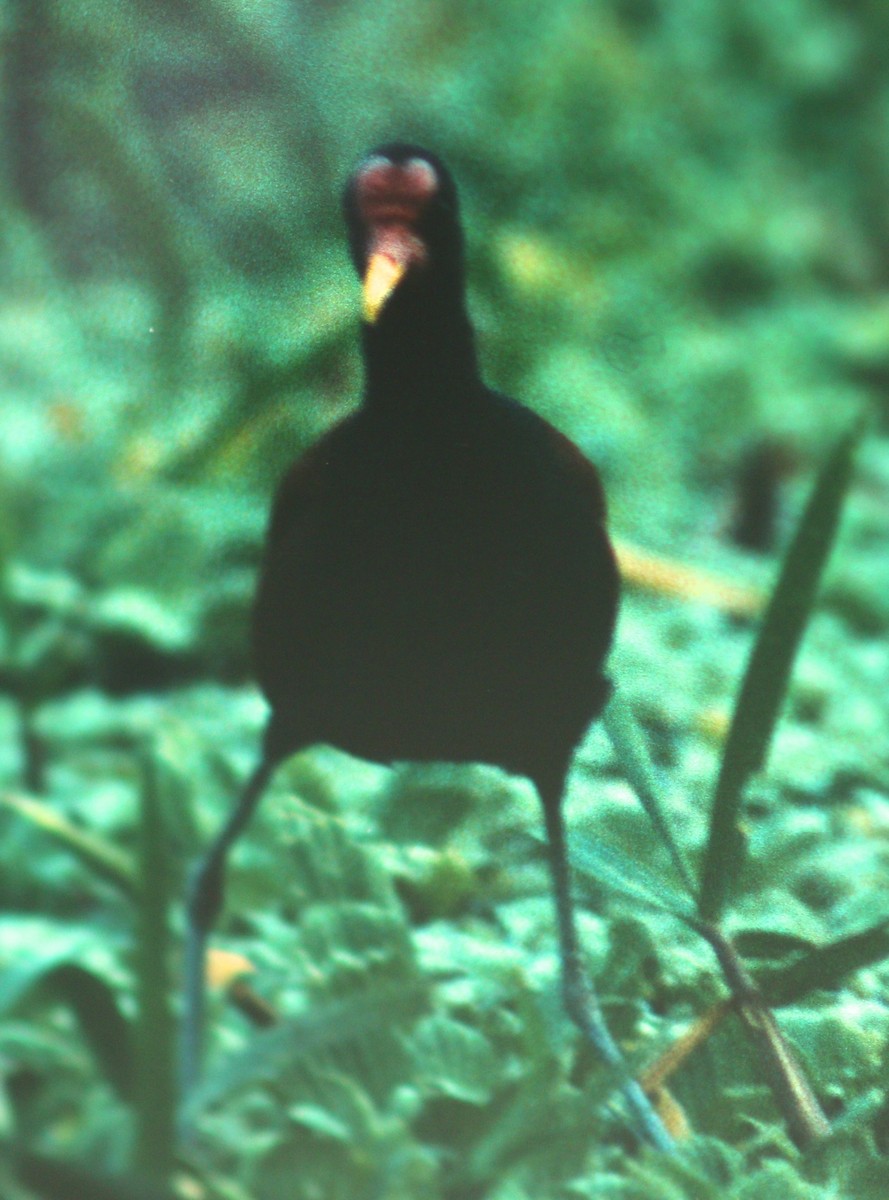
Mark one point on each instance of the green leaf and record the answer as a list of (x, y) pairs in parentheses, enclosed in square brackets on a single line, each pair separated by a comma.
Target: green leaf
[(538, 1122), (827, 966), (155, 1090), (59, 1179), (131, 612), (322, 1028), (352, 944), (7, 607), (623, 875), (426, 803), (54, 967), (50, 946), (629, 744), (768, 671), (455, 1060), (95, 852), (770, 944), (101, 1021), (320, 1121), (325, 863)]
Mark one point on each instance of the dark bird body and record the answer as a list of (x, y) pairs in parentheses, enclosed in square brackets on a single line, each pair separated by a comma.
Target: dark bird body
[(437, 581), (438, 585)]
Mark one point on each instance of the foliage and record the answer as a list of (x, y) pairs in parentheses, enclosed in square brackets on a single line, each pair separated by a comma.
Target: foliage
[(677, 238)]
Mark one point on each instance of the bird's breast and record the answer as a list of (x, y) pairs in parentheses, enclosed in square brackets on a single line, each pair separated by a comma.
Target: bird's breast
[(433, 605)]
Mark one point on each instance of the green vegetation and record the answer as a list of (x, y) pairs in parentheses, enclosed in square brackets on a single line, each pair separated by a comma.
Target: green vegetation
[(678, 234)]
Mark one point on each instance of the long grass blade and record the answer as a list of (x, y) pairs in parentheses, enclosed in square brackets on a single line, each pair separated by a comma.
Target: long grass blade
[(769, 668), (155, 1085), (629, 745), (100, 855), (827, 966)]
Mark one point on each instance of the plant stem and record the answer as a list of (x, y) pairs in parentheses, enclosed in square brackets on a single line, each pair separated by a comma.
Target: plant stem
[(792, 1091)]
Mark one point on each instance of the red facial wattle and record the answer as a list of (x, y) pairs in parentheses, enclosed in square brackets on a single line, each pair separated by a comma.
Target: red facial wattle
[(391, 198)]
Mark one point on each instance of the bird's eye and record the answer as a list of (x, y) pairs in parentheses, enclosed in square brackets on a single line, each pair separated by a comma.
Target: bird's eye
[(375, 162), (423, 172)]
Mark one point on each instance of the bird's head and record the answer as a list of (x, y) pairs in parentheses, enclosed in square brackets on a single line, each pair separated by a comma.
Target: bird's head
[(404, 228)]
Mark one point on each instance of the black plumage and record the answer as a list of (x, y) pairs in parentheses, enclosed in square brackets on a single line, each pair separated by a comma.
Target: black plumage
[(437, 582)]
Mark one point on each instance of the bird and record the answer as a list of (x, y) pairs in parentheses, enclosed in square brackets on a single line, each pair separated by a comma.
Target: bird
[(437, 583)]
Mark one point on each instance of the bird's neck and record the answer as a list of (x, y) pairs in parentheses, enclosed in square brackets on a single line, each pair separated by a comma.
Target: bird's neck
[(421, 356)]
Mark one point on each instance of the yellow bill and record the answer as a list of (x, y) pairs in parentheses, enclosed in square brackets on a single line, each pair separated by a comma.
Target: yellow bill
[(381, 278)]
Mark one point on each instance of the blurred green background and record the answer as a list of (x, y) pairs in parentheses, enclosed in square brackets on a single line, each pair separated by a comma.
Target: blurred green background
[(678, 237), (678, 242)]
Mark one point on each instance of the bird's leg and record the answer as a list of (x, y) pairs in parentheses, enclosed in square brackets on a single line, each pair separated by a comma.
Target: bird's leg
[(204, 902), (581, 1001)]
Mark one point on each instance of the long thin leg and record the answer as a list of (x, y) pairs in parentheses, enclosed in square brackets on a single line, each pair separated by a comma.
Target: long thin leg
[(204, 902), (581, 1001)]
